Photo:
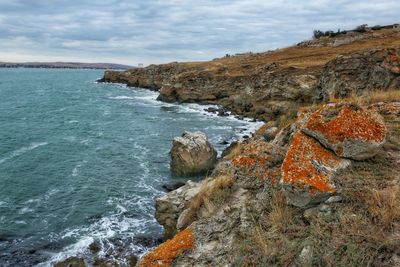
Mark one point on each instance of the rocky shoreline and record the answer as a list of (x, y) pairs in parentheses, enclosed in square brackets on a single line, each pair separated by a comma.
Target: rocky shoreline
[(317, 185), (275, 84)]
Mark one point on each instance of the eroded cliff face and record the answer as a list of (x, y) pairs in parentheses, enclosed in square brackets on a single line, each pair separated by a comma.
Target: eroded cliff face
[(267, 85)]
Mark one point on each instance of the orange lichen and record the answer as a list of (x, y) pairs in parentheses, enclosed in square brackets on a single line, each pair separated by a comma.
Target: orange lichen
[(243, 161), (164, 254), (261, 130), (256, 160), (299, 166), (349, 123)]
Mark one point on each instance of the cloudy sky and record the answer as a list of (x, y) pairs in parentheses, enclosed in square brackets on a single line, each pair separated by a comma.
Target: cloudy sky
[(149, 31)]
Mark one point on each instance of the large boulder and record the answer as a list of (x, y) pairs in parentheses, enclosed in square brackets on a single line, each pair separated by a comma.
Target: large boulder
[(349, 130), (308, 171), (192, 154)]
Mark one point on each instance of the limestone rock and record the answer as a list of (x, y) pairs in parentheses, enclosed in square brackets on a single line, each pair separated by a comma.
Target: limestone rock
[(170, 206), (351, 74), (349, 130), (192, 154), (308, 171)]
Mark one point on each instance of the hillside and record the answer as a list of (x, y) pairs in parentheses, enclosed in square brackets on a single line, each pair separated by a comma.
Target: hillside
[(318, 184)]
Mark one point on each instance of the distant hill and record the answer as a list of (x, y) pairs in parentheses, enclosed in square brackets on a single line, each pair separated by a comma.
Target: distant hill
[(66, 65)]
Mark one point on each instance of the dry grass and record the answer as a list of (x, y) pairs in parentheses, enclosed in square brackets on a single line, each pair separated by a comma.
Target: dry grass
[(370, 97), (383, 206), (213, 193), (362, 230), (299, 57), (232, 151)]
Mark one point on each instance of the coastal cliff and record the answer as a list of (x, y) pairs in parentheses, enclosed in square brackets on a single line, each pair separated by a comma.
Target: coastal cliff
[(318, 184), (275, 83)]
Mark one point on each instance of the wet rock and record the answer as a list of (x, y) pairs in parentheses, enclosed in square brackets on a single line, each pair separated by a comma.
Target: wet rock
[(71, 262), (349, 130), (192, 154), (224, 142), (94, 247), (172, 186), (211, 110), (223, 113)]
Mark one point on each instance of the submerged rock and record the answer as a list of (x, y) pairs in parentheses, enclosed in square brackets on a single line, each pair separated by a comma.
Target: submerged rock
[(172, 186), (192, 154)]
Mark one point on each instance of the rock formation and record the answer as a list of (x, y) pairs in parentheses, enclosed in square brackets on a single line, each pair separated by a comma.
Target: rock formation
[(211, 222), (170, 206), (318, 186), (349, 130), (269, 85), (192, 154)]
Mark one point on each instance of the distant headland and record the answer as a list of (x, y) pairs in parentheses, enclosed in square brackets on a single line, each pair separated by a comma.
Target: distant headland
[(65, 65)]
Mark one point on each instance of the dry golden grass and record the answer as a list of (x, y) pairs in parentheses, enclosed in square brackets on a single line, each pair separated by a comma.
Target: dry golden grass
[(362, 230), (370, 97), (299, 57), (213, 193), (232, 152), (383, 206)]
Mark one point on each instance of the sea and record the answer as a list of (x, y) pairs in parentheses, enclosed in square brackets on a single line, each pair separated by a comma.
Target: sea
[(81, 163)]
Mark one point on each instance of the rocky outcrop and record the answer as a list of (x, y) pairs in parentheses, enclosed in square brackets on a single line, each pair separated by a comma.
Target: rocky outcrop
[(346, 75), (215, 221), (308, 171), (170, 206), (273, 84), (192, 154), (320, 146), (349, 130)]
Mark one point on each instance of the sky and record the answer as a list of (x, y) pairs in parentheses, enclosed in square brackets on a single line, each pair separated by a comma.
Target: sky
[(151, 32)]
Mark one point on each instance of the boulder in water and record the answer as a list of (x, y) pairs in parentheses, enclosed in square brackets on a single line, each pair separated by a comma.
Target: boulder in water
[(192, 154)]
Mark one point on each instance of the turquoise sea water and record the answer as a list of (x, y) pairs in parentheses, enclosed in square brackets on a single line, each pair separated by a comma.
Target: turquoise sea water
[(83, 162)]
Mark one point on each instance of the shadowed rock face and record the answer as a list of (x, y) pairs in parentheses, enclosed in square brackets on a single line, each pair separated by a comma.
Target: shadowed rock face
[(351, 74), (192, 154)]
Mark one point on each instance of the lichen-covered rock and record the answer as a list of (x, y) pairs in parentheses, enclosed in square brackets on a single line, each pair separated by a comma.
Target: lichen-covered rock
[(349, 130), (192, 154), (167, 252), (170, 206), (308, 171)]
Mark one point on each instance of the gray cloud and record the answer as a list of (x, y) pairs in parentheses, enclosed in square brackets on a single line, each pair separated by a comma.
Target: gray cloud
[(155, 31)]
